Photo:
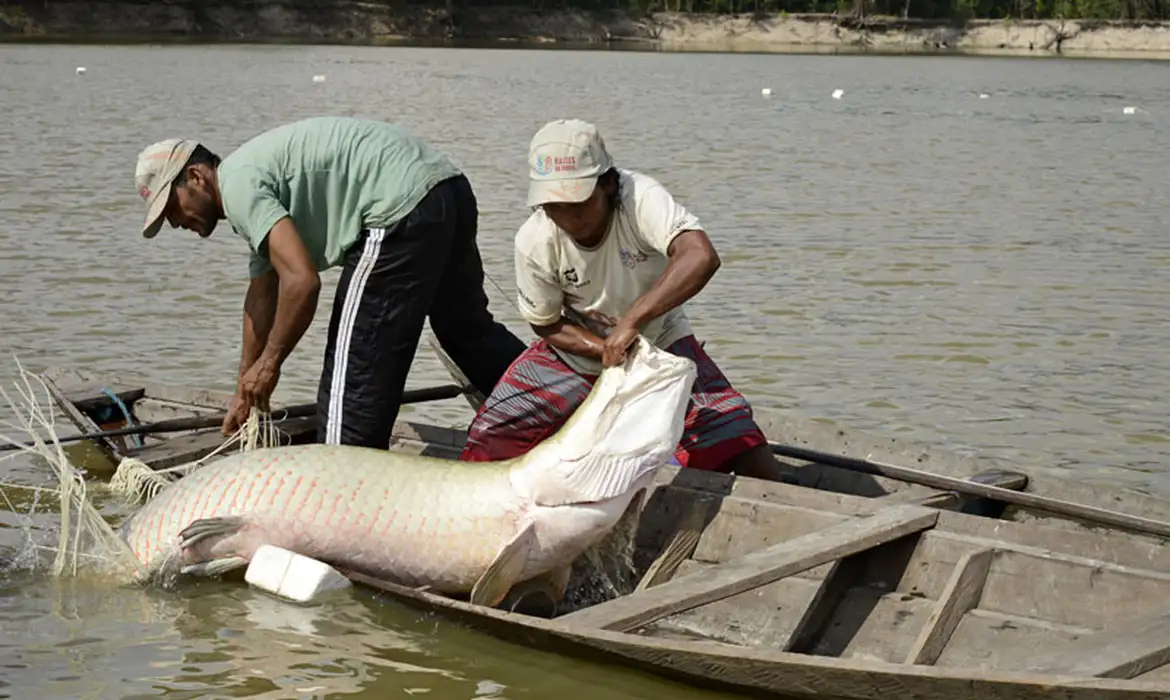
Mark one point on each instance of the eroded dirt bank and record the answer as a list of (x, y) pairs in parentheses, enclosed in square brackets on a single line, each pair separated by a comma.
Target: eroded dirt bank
[(347, 21)]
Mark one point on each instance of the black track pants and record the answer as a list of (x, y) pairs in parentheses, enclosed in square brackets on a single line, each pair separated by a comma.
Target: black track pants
[(427, 264)]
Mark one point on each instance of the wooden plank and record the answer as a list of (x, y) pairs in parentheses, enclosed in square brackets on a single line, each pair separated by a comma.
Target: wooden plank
[(191, 396), (87, 398), (182, 449), (960, 596), (845, 603), (1111, 546), (60, 383), (61, 397), (1124, 650), (1076, 511), (818, 434), (179, 449), (977, 505), (753, 570), (830, 592), (682, 545), (1060, 589)]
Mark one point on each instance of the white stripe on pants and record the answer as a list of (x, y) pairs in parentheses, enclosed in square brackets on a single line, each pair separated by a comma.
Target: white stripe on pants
[(353, 299)]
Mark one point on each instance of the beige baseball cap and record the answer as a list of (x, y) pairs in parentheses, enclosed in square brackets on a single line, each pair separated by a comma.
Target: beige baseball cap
[(158, 166), (565, 158)]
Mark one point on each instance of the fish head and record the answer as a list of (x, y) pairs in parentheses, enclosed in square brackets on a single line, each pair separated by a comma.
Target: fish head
[(628, 427), (637, 409)]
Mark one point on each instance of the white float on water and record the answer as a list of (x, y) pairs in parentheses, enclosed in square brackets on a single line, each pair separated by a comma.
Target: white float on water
[(983, 95), (838, 93), (318, 78), (80, 70), (1129, 110), (293, 576), (766, 92)]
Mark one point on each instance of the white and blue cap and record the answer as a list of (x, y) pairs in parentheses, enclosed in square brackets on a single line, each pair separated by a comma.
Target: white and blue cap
[(565, 158)]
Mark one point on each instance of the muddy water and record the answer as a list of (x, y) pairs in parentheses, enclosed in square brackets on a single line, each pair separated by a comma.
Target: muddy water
[(970, 252)]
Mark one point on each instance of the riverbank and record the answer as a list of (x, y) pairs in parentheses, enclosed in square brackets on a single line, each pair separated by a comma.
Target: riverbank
[(356, 22)]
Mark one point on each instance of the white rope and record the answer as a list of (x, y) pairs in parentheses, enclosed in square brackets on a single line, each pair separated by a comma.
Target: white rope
[(81, 525), (85, 537), (138, 482)]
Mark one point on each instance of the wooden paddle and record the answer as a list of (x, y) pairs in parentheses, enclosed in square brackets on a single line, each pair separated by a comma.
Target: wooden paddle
[(436, 393), (1089, 514)]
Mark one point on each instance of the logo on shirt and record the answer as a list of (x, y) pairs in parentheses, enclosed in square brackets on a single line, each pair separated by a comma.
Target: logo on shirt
[(631, 260), (572, 278)]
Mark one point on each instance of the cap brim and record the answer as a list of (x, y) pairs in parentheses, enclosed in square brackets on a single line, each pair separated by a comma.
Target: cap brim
[(154, 214), (568, 191)]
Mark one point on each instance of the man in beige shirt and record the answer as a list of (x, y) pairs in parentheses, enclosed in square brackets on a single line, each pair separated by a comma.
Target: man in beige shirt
[(608, 254)]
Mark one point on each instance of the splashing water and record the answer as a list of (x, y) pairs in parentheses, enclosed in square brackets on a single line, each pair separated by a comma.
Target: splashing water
[(84, 534), (86, 541), (607, 569)]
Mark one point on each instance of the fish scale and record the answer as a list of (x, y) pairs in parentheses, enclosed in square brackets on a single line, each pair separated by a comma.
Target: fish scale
[(417, 509)]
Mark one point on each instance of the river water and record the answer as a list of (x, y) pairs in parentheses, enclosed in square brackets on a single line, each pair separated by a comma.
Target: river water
[(968, 251)]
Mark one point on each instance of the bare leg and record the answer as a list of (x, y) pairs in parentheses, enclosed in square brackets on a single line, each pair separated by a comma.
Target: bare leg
[(759, 463)]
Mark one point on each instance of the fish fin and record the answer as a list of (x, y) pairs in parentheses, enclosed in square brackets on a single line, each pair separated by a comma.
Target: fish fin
[(493, 585), (558, 580), (553, 583), (539, 595), (206, 528), (593, 479), (215, 567)]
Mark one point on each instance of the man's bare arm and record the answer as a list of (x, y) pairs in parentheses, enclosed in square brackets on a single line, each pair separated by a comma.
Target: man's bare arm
[(566, 336), (259, 313), (693, 261), (296, 300)]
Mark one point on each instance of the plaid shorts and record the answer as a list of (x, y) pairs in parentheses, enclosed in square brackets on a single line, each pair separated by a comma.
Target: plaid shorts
[(539, 392)]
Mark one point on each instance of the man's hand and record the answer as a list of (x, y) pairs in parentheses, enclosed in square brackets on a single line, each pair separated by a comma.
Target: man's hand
[(258, 383), (254, 389), (623, 335), (236, 416)]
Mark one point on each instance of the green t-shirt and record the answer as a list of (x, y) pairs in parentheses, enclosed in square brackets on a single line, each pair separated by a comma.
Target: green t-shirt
[(334, 176)]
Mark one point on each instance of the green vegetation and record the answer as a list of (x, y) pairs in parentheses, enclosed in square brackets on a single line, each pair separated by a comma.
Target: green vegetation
[(960, 10), (367, 20)]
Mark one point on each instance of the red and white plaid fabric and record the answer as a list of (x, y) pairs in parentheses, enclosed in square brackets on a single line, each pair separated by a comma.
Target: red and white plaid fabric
[(539, 392)]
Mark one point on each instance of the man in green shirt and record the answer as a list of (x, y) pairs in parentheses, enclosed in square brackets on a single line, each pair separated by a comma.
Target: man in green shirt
[(392, 211)]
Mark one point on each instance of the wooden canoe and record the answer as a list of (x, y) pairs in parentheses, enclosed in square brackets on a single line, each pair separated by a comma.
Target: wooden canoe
[(849, 586)]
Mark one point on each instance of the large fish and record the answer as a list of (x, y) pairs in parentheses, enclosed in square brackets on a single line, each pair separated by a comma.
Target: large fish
[(455, 527)]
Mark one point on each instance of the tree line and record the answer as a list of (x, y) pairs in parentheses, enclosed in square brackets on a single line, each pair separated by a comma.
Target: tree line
[(875, 10)]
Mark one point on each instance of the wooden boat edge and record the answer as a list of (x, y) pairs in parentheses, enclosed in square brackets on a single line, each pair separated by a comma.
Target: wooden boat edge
[(762, 670)]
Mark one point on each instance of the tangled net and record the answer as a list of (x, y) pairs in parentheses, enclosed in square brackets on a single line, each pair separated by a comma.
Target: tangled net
[(138, 482), (86, 540)]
